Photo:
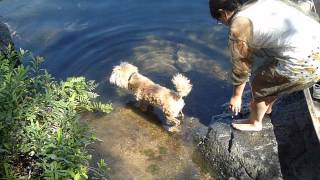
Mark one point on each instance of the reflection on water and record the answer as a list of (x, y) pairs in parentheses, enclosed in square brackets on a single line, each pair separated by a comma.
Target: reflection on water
[(87, 38), (80, 37)]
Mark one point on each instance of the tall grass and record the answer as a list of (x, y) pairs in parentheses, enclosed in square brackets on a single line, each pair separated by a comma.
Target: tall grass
[(41, 136)]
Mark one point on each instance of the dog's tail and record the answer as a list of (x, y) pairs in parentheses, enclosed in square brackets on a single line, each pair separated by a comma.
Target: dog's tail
[(182, 84)]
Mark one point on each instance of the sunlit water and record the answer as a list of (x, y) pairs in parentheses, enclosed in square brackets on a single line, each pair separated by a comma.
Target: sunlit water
[(87, 38)]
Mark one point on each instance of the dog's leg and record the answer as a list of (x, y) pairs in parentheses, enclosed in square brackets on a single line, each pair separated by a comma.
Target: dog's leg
[(181, 115), (172, 128), (175, 121), (150, 108), (143, 105), (172, 124)]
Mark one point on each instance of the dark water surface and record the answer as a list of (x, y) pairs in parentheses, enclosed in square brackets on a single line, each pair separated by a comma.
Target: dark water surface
[(88, 37)]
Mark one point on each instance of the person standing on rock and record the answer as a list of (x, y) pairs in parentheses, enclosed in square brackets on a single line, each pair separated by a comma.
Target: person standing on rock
[(275, 43)]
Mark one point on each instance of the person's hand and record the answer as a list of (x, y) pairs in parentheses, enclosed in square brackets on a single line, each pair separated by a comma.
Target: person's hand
[(235, 104)]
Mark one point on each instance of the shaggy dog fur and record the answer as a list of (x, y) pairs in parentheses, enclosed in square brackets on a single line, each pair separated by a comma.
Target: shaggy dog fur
[(148, 93)]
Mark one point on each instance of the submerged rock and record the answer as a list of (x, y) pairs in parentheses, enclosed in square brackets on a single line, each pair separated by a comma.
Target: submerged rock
[(5, 37), (286, 148)]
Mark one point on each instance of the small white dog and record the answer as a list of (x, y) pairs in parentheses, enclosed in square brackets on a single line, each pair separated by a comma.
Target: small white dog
[(148, 93)]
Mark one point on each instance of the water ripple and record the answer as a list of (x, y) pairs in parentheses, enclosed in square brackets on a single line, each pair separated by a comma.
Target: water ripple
[(161, 38)]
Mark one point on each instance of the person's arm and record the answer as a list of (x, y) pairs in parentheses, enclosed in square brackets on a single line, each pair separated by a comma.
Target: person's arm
[(236, 98), (239, 39)]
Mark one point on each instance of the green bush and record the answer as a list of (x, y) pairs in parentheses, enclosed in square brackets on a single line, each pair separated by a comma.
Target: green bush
[(40, 132)]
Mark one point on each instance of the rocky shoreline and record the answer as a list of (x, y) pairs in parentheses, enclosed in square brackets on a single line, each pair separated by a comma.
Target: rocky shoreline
[(286, 148)]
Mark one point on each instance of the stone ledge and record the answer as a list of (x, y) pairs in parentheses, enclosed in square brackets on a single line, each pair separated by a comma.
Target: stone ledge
[(286, 148)]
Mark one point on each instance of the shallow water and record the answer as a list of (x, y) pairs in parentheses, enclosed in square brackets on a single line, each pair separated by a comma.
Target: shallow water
[(87, 38), (138, 149)]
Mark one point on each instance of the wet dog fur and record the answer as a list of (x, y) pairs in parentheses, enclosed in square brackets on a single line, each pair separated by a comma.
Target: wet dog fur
[(148, 93)]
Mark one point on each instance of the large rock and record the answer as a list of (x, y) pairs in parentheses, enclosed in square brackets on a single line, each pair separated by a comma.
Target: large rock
[(5, 40), (242, 155), (286, 148), (5, 36)]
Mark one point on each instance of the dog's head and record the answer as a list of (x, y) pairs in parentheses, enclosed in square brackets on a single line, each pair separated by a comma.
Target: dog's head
[(121, 74)]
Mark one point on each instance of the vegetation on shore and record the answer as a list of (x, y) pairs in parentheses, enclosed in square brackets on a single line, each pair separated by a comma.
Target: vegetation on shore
[(41, 135)]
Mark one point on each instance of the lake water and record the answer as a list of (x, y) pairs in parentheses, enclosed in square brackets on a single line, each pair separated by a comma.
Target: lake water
[(87, 38)]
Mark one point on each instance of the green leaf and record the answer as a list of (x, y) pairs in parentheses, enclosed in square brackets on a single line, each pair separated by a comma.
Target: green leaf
[(77, 176), (59, 136), (41, 115)]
